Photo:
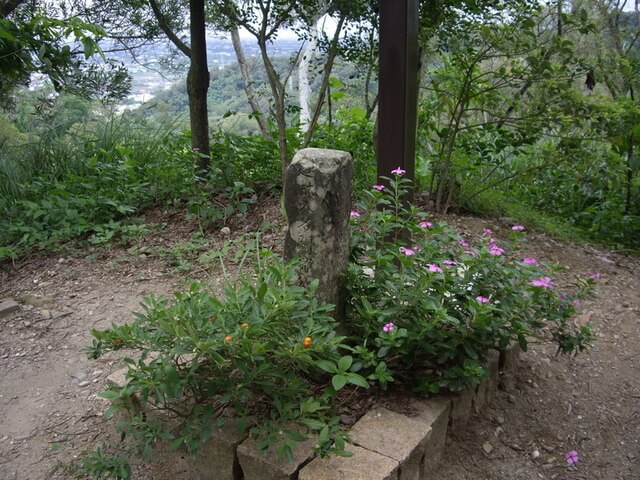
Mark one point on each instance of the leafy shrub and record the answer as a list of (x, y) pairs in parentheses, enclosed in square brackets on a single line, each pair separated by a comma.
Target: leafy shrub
[(268, 348), (431, 305), (425, 308)]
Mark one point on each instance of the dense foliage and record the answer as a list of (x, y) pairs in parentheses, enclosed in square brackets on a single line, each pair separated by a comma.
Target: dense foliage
[(425, 308)]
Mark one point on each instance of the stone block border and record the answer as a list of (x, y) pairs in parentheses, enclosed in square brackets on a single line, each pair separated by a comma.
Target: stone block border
[(385, 445)]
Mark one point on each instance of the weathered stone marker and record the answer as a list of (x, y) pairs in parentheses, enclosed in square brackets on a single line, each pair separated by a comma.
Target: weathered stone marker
[(317, 200)]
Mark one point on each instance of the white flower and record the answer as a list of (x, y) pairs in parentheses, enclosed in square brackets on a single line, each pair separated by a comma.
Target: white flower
[(369, 272)]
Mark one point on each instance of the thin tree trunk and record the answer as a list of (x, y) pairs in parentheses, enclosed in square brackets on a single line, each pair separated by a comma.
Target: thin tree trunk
[(197, 86), (248, 84), (278, 92), (331, 56), (304, 86)]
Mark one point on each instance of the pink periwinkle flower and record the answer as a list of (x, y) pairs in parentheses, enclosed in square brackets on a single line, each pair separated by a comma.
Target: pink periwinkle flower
[(425, 224), (545, 282), (482, 299), (388, 327), (530, 261), (495, 250), (434, 268), (379, 187), (463, 243), (517, 228), (407, 251), (487, 232), (449, 263), (470, 253), (398, 171), (572, 457), (594, 276), (354, 214), (576, 303)]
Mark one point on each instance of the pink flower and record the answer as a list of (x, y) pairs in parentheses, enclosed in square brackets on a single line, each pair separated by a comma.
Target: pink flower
[(425, 224), (517, 228), (388, 327), (482, 299), (545, 282), (398, 171), (495, 250), (379, 187), (354, 214), (449, 263), (594, 276), (487, 232), (470, 253), (407, 251), (530, 261), (576, 303), (463, 243), (572, 457), (434, 268)]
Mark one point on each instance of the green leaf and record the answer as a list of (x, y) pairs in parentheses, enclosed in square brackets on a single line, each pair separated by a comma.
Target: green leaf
[(326, 365), (358, 380), (110, 394), (176, 444), (344, 363), (338, 381)]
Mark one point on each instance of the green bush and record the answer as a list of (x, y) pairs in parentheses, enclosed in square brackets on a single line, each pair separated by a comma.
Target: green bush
[(425, 307), (267, 348), (431, 305)]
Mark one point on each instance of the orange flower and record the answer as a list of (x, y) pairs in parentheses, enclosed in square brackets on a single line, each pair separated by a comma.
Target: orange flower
[(306, 343), (245, 325), (228, 338)]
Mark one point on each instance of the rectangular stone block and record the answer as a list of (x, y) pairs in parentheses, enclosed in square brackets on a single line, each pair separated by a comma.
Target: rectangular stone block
[(268, 465), (362, 465), (217, 459), (435, 412), (393, 435), (8, 306), (509, 357), (487, 388), (461, 405)]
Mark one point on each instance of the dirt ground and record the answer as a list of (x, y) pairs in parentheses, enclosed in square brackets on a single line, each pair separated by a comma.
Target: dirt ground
[(50, 412)]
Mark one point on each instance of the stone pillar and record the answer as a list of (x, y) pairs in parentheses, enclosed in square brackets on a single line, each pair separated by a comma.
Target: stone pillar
[(318, 186)]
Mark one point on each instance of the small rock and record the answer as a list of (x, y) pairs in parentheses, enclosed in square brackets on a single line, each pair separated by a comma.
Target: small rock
[(84, 383), (226, 231), (512, 399), (487, 447), (61, 260), (548, 448), (535, 454), (500, 420), (81, 376)]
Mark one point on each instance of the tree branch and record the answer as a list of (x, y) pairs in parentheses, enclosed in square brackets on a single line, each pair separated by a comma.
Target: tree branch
[(166, 28)]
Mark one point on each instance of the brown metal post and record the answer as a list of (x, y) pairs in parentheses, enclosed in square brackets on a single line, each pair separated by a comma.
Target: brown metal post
[(397, 109)]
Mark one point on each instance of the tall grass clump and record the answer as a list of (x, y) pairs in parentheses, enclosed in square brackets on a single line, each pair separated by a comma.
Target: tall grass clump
[(64, 185)]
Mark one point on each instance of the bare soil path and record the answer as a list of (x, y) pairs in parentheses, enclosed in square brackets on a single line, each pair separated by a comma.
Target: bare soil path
[(50, 412)]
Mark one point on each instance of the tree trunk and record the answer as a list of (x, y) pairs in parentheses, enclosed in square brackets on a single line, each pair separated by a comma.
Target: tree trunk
[(304, 86), (248, 84), (278, 91), (197, 86)]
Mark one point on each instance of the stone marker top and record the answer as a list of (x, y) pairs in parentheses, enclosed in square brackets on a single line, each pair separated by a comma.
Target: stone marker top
[(390, 433), (318, 205)]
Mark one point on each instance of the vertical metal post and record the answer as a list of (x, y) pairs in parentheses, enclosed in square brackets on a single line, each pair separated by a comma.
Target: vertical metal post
[(398, 84)]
